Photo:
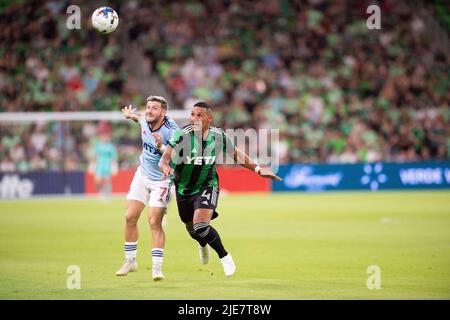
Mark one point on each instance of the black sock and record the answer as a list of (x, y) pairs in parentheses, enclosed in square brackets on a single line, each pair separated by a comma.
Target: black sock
[(211, 236), (195, 236)]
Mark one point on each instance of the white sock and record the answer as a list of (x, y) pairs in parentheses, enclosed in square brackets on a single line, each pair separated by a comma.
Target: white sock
[(130, 250), (157, 256)]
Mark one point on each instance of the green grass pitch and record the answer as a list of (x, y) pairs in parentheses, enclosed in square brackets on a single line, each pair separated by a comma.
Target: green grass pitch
[(286, 246)]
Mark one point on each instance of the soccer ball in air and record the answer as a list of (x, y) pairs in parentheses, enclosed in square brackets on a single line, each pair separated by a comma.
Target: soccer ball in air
[(105, 20)]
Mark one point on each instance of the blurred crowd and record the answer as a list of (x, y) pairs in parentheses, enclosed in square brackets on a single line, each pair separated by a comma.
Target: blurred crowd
[(337, 91), (44, 66), (64, 145)]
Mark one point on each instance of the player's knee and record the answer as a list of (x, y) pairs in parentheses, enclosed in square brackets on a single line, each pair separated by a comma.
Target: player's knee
[(155, 223), (131, 220), (201, 228), (190, 230)]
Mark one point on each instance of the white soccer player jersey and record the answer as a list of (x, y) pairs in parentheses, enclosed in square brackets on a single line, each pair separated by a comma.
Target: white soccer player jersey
[(150, 154)]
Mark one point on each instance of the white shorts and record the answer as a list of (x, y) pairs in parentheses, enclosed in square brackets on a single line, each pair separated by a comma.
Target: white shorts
[(154, 193)]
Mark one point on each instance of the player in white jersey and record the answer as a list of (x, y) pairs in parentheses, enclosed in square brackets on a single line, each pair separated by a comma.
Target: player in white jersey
[(147, 187)]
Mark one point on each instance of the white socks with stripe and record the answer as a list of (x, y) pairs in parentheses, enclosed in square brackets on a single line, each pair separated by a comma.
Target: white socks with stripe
[(157, 256), (130, 250)]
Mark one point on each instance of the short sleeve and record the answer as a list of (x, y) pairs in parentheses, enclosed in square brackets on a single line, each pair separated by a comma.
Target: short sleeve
[(176, 138), (169, 134)]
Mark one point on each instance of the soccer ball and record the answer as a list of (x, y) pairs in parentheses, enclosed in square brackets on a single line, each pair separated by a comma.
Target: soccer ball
[(105, 20)]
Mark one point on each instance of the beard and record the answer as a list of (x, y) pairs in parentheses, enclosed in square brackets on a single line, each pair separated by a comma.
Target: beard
[(153, 120)]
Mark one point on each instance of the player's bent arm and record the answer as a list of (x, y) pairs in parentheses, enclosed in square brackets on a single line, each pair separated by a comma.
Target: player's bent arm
[(244, 160), (158, 140), (164, 162), (162, 148)]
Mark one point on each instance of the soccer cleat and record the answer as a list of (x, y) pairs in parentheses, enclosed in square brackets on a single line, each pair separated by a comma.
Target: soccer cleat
[(228, 265), (128, 266), (204, 254), (157, 273)]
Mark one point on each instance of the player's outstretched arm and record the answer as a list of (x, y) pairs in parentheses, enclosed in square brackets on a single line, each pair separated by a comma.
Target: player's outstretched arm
[(164, 162), (244, 160), (130, 113)]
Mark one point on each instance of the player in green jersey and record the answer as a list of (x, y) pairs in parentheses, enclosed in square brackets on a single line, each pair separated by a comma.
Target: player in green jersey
[(191, 156)]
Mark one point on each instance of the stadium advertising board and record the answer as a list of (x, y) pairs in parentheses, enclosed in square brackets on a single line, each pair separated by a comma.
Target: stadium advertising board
[(120, 182), (365, 176), (231, 179), (296, 177), (26, 185)]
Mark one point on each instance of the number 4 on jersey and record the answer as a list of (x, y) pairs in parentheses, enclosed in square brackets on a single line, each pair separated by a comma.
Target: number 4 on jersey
[(207, 196)]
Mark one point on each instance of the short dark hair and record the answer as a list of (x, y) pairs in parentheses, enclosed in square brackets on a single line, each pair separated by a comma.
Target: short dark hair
[(203, 104), (159, 99)]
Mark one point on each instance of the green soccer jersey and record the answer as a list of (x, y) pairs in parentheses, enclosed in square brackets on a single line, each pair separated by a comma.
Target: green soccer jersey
[(195, 159)]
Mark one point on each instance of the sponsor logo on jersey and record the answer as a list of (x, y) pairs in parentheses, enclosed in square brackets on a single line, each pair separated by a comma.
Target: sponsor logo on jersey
[(199, 160), (149, 148)]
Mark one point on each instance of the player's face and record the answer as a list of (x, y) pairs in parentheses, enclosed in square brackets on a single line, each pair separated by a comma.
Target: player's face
[(200, 119), (154, 111)]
